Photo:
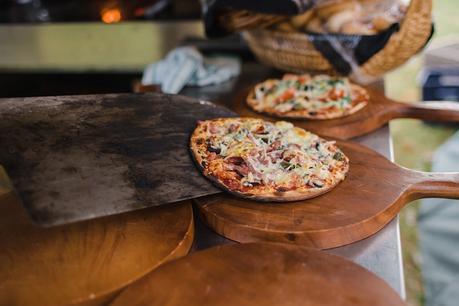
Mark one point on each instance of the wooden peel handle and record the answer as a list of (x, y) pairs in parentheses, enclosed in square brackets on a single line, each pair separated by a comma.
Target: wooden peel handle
[(436, 185), (5, 183), (430, 111)]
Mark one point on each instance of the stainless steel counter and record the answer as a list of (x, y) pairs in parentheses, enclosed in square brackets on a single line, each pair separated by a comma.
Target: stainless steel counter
[(380, 253)]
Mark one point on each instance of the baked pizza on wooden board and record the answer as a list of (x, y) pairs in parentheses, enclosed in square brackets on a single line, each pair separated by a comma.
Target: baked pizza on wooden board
[(310, 97), (266, 161), (373, 193), (379, 111)]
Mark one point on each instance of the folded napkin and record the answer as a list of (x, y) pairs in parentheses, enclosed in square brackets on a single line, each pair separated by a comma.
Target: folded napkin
[(187, 66)]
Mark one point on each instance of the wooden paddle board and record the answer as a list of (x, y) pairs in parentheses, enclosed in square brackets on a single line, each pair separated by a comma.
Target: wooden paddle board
[(260, 274), (379, 111), (372, 194), (85, 263)]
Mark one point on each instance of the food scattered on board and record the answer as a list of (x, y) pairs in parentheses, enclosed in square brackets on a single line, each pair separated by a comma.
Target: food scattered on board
[(306, 96), (257, 159)]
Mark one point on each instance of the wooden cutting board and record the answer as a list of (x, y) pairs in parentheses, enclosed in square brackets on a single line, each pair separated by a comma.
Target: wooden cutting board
[(260, 274), (378, 112), (372, 194), (85, 263), (73, 158)]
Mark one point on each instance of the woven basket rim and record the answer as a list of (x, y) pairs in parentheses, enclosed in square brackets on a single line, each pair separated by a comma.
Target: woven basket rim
[(402, 44)]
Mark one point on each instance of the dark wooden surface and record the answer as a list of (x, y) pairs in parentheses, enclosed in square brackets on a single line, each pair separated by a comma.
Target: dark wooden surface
[(259, 274), (377, 113), (372, 195), (85, 263), (78, 157)]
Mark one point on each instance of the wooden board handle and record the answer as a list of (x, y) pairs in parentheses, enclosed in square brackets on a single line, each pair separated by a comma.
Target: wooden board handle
[(436, 185), (5, 183), (430, 111)]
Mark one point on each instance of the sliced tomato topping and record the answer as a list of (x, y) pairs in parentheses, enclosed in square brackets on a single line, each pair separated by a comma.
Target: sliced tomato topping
[(304, 78), (336, 94), (287, 95)]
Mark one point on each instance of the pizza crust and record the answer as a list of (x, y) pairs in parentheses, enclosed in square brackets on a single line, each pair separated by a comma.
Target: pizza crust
[(359, 101), (265, 194)]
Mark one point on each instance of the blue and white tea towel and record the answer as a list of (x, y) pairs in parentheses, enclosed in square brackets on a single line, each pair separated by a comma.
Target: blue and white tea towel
[(187, 66)]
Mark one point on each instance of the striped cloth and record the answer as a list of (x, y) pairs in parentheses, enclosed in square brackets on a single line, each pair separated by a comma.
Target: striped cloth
[(186, 66)]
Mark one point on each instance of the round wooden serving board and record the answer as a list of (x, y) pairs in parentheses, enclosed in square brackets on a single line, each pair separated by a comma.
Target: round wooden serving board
[(263, 274), (372, 194), (378, 112), (85, 263)]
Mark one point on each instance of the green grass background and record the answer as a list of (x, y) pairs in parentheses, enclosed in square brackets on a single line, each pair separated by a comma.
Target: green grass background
[(415, 142)]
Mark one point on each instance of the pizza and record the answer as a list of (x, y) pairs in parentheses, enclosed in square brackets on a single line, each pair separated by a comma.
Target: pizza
[(267, 161), (305, 96)]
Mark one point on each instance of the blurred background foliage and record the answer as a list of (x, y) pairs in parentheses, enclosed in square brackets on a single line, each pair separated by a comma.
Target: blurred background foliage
[(415, 141)]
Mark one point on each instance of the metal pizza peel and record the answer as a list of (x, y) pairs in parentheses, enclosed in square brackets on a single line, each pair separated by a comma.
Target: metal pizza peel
[(73, 158)]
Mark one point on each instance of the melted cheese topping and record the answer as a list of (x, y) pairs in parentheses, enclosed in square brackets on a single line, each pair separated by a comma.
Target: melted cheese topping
[(274, 154), (303, 92)]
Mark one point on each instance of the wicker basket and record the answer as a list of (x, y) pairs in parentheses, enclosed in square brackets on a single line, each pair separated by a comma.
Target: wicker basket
[(234, 20), (294, 52)]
